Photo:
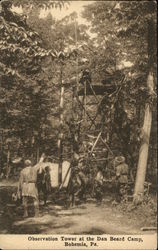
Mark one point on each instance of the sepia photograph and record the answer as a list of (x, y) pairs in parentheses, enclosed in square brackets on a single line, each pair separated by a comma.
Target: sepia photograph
[(78, 122)]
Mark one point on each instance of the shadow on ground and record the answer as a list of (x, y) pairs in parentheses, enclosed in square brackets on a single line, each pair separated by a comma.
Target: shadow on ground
[(56, 218)]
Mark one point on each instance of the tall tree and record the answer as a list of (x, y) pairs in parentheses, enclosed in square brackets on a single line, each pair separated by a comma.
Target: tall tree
[(126, 25), (24, 99), (146, 129)]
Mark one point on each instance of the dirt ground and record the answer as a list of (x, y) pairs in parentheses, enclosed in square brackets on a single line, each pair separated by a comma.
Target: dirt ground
[(85, 218)]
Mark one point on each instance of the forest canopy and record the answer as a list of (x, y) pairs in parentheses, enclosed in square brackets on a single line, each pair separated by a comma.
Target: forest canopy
[(116, 47)]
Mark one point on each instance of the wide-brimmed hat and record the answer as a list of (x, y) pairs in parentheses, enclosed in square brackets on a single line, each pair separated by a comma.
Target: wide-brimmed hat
[(27, 163), (119, 159)]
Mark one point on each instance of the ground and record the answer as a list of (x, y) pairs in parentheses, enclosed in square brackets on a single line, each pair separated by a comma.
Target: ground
[(85, 218)]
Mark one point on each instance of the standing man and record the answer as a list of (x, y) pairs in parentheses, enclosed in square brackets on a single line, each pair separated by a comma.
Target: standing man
[(27, 185), (99, 179), (82, 179), (121, 170), (44, 183)]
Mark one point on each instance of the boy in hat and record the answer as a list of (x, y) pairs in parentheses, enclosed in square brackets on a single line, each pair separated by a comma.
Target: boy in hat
[(121, 170)]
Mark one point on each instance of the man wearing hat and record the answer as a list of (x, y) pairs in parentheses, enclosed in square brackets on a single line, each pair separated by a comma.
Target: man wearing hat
[(81, 177), (121, 170), (27, 186), (99, 180)]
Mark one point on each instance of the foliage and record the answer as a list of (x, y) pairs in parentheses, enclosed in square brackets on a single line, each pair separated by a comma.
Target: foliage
[(24, 100), (36, 60), (122, 35), (30, 78)]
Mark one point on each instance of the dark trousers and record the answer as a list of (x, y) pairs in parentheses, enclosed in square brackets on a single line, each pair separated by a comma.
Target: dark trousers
[(44, 191), (121, 191)]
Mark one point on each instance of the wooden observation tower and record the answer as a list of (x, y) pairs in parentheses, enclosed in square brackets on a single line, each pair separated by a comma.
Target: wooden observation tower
[(93, 132)]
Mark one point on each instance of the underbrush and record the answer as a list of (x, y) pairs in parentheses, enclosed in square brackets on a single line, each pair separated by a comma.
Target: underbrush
[(144, 213)]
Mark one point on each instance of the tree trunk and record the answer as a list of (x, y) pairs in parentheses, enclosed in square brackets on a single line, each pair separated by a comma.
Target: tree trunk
[(60, 138), (143, 153), (8, 163), (37, 154)]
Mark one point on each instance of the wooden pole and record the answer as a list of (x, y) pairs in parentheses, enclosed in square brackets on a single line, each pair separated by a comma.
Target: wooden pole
[(107, 146), (95, 143), (87, 114)]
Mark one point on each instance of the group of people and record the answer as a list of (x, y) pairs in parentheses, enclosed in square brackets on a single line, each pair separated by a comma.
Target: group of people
[(120, 180), (32, 180), (96, 184)]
